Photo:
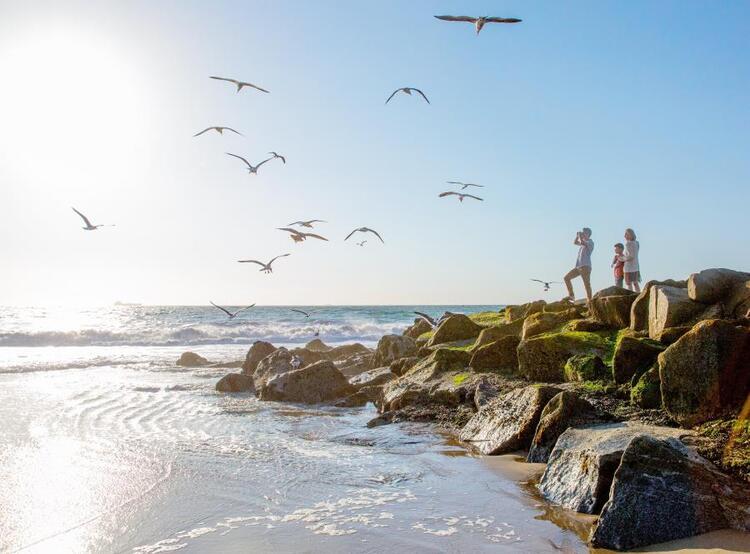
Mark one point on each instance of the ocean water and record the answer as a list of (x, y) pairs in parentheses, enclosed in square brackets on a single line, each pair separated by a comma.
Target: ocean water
[(107, 446)]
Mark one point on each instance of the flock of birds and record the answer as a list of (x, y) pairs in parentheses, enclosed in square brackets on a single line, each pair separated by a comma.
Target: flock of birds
[(298, 235)]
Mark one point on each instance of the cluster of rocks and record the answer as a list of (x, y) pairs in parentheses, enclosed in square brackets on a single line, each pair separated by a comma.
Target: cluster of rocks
[(576, 386)]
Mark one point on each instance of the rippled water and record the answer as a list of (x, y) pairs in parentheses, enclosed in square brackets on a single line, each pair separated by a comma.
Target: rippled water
[(111, 448)]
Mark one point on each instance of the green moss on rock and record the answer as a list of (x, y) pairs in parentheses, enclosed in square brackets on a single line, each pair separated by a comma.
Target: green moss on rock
[(646, 393), (585, 367)]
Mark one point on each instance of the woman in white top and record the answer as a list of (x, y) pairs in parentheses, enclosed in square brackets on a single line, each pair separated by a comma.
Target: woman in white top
[(632, 270)]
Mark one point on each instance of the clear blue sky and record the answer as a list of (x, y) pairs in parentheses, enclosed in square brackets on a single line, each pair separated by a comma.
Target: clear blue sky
[(600, 114)]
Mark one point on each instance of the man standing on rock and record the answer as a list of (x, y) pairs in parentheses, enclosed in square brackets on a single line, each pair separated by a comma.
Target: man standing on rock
[(583, 263)]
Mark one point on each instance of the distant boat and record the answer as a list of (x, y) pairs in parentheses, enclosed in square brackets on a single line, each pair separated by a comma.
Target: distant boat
[(118, 303)]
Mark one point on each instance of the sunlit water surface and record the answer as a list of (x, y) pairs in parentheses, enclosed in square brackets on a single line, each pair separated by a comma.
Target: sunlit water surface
[(106, 446)]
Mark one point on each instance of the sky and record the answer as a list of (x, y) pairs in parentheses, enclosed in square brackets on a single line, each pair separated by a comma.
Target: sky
[(588, 113)]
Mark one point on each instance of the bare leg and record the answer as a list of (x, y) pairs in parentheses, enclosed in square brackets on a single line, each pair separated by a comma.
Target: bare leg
[(637, 286)]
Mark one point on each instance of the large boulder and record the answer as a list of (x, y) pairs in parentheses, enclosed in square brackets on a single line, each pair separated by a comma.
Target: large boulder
[(235, 382), (402, 365), (646, 393), (354, 364), (374, 377), (737, 305), (454, 328), (633, 357), (670, 307), (276, 363), (586, 325), (559, 306), (259, 350), (543, 358), (585, 367), (313, 384), (306, 357), (418, 328), (431, 381), (317, 345), (714, 285), (393, 347), (582, 463), (338, 353), (542, 322), (508, 422), (663, 491), (489, 335), (671, 335), (500, 356), (611, 306), (566, 409), (191, 359), (513, 313), (706, 373), (639, 309)]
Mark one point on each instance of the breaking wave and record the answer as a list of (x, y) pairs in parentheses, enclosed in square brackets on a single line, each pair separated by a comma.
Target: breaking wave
[(206, 334)]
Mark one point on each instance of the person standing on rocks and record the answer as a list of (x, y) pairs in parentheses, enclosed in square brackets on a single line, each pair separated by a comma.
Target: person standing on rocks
[(632, 267), (583, 263)]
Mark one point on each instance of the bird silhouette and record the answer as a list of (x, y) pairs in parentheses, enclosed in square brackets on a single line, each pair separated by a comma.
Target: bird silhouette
[(460, 196), (407, 90), (308, 223), (265, 268), (218, 128), (478, 22), (231, 315), (365, 230), (298, 236), (464, 186), (547, 283), (252, 169), (240, 84), (89, 226)]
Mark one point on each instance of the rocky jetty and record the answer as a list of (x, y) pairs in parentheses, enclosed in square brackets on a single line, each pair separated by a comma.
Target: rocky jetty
[(637, 403)]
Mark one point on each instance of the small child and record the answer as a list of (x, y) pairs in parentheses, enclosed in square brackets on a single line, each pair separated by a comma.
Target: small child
[(618, 262)]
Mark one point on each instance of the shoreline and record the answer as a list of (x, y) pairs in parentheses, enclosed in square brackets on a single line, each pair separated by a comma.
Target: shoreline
[(593, 391)]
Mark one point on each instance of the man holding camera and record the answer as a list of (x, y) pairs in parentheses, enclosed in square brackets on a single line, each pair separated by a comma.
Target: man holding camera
[(583, 263)]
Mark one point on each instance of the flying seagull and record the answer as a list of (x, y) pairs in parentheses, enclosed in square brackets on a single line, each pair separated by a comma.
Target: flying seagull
[(460, 196), (464, 186), (308, 223), (300, 312), (89, 226), (365, 230), (478, 22), (240, 84), (219, 129), (433, 323), (362, 243), (298, 236), (250, 168), (547, 283), (275, 155), (230, 314), (265, 268), (407, 90)]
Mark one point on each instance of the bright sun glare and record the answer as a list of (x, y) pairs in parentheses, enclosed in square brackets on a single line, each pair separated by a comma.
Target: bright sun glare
[(74, 98)]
